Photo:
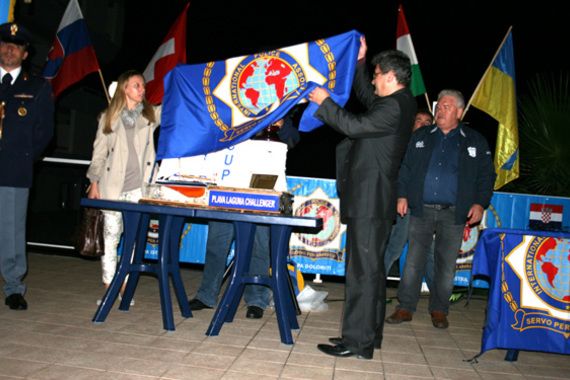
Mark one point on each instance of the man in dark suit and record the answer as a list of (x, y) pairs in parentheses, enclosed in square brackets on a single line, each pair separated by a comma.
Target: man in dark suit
[(26, 127), (367, 167)]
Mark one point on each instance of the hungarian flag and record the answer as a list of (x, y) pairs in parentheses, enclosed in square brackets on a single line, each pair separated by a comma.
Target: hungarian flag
[(171, 52), (72, 55), (404, 43)]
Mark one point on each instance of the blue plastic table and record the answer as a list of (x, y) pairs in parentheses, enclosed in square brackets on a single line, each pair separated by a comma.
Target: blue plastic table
[(136, 217)]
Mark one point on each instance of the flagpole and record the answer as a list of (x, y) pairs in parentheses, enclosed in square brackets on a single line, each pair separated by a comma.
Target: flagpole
[(428, 102), (485, 73), (104, 87)]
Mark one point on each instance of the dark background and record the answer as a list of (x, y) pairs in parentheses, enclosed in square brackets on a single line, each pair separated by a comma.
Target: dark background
[(455, 42)]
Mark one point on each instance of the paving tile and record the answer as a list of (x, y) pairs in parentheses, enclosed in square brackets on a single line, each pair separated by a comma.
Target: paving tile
[(292, 371)]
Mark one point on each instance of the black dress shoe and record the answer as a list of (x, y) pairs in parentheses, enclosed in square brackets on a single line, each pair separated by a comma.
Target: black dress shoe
[(338, 340), (341, 351), (196, 304), (16, 302), (254, 312)]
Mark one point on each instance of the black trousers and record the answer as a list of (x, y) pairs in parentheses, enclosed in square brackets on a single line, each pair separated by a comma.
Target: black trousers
[(365, 283)]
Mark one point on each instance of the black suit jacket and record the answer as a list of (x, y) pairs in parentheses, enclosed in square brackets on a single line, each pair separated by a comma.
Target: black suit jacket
[(367, 164), (27, 128)]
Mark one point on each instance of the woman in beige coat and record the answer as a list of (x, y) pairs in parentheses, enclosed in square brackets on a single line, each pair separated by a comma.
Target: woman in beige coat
[(123, 157)]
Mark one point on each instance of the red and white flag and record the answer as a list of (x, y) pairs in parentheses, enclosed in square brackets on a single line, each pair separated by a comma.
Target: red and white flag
[(171, 52)]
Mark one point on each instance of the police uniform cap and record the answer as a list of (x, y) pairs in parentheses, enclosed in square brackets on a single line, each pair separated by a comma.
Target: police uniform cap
[(15, 33)]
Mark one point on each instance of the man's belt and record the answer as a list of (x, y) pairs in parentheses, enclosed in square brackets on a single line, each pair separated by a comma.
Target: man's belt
[(437, 206)]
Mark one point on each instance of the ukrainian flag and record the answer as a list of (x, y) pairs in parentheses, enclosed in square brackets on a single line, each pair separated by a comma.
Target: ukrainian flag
[(496, 96), (7, 11)]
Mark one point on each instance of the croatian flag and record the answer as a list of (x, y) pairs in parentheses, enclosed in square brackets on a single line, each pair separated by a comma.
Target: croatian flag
[(171, 52), (72, 56), (545, 217)]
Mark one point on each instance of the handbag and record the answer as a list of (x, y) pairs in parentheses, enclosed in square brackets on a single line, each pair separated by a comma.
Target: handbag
[(90, 242)]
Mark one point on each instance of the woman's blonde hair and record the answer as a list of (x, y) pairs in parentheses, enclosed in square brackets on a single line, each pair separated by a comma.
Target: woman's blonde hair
[(119, 102)]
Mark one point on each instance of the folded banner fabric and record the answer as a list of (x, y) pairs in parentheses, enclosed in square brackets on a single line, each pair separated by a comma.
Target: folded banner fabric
[(211, 106)]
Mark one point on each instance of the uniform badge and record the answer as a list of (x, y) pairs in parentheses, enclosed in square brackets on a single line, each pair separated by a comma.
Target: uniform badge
[(22, 111), (13, 29)]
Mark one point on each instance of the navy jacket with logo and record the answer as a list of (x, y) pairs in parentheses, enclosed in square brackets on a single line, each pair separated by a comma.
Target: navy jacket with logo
[(476, 173)]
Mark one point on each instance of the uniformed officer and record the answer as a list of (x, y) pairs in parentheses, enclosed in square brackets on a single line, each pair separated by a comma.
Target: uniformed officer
[(26, 127)]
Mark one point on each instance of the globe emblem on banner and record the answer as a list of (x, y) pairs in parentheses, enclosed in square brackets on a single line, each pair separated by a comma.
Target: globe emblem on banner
[(263, 79), (320, 208), (552, 272)]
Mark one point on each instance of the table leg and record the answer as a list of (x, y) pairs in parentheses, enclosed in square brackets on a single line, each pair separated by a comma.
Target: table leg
[(138, 257), (174, 266), (164, 237), (284, 306), (244, 235), (512, 355), (131, 225)]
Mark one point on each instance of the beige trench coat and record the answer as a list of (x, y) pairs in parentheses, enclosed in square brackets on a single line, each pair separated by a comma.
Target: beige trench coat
[(110, 154)]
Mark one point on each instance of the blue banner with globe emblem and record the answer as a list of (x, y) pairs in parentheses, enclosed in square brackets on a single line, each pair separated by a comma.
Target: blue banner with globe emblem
[(529, 293), (214, 105)]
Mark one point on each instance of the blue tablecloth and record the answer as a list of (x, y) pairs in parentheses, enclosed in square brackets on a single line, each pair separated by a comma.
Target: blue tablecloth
[(529, 289)]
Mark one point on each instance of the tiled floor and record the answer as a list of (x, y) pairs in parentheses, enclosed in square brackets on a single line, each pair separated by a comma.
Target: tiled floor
[(55, 339)]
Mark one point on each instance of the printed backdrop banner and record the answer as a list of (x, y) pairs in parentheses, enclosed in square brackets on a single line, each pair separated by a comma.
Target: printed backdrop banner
[(211, 106), (529, 298), (324, 252)]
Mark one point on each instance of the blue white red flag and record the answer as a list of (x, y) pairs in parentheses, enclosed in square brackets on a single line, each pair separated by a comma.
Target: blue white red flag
[(171, 52), (214, 105), (72, 55)]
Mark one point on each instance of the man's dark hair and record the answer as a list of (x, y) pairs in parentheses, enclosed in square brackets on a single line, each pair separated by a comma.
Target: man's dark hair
[(425, 111), (396, 61)]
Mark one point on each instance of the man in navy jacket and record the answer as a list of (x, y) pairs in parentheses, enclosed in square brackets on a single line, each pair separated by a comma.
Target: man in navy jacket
[(26, 127), (446, 182)]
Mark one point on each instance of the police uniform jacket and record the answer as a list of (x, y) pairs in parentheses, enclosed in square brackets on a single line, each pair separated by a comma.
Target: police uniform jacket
[(27, 128), (110, 154), (368, 160), (476, 174)]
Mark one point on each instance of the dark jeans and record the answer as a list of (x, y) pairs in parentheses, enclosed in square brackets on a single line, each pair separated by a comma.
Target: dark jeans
[(396, 243), (448, 237), (220, 237)]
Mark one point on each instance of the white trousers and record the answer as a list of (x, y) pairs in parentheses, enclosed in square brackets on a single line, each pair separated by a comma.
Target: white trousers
[(112, 235)]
